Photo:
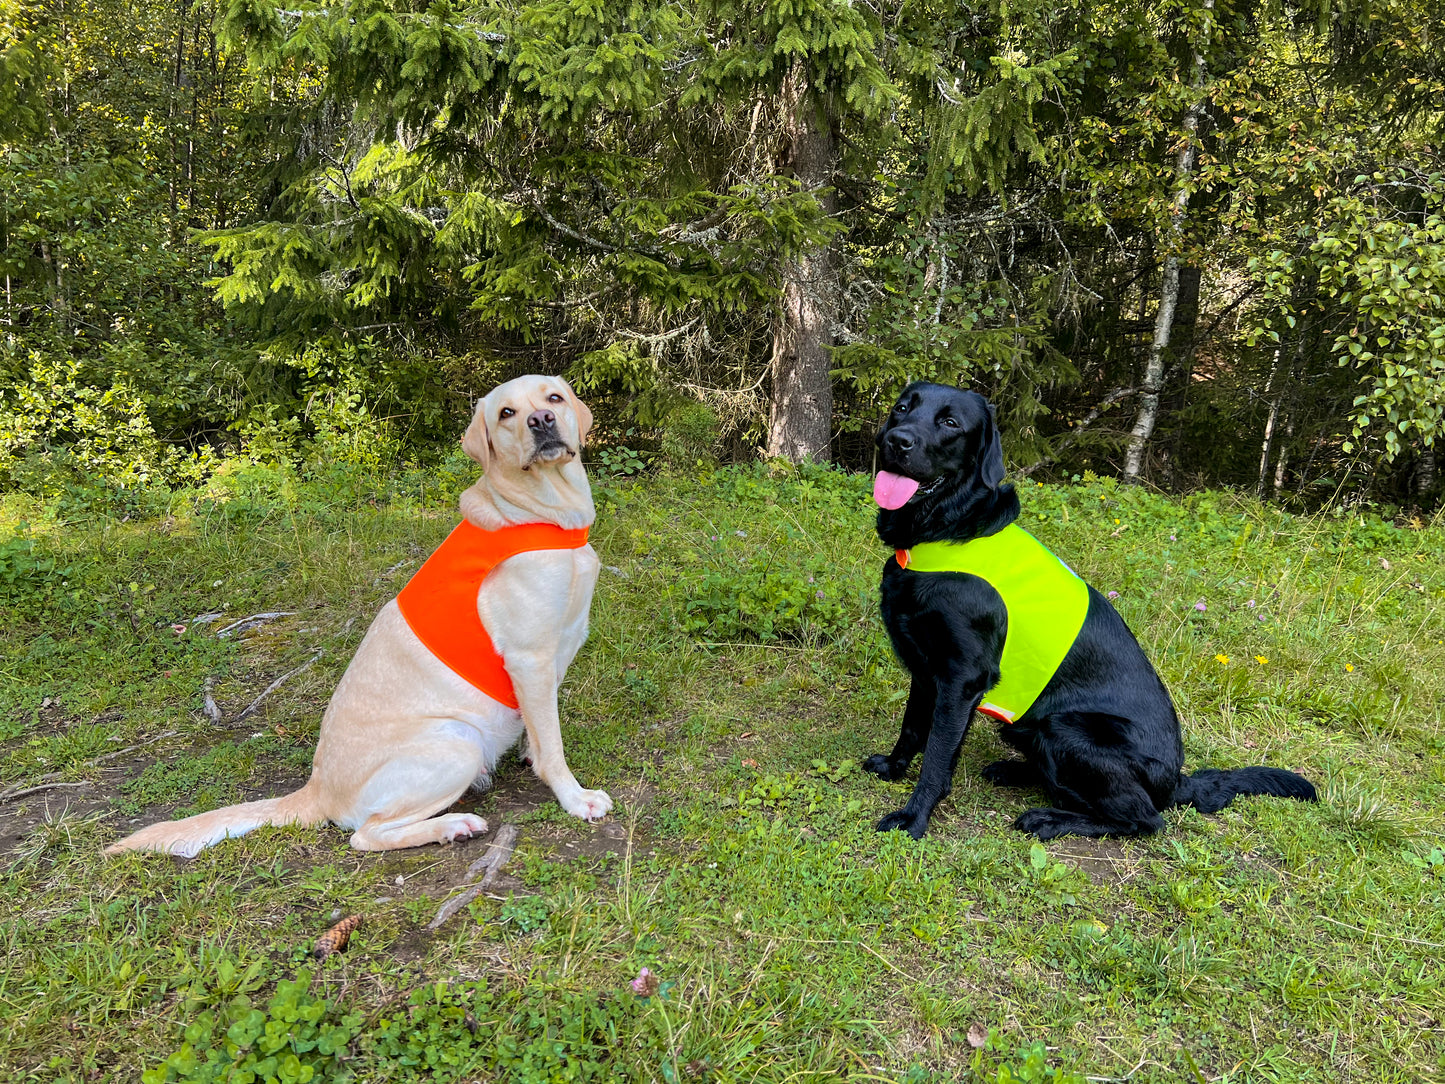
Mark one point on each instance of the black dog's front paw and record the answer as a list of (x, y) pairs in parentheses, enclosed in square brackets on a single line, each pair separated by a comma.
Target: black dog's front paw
[(884, 767), (915, 824)]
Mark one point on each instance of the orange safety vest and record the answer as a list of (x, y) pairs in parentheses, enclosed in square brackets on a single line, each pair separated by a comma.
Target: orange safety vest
[(440, 601)]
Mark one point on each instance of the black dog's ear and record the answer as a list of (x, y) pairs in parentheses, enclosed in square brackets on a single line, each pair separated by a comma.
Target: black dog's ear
[(990, 453)]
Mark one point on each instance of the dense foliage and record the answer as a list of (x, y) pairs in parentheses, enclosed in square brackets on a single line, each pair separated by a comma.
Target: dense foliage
[(248, 226)]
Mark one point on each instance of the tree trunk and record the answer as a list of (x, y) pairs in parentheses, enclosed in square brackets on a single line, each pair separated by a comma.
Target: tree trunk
[(172, 109), (1425, 473), (1169, 288), (55, 276), (800, 421), (1283, 400), (1181, 344), (1274, 402)]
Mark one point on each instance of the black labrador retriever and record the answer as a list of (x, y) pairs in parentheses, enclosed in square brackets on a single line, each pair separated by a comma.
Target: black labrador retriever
[(1102, 738)]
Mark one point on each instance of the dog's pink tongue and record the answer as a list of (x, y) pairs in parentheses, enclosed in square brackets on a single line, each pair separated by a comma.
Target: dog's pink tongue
[(893, 490)]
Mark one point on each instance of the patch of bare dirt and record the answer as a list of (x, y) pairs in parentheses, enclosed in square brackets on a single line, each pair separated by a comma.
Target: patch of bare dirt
[(20, 818), (434, 871), (1106, 861), (79, 798)]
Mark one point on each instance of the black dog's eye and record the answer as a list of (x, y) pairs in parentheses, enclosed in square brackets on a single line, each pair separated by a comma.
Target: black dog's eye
[(507, 412), (952, 423), (554, 398), (900, 409)]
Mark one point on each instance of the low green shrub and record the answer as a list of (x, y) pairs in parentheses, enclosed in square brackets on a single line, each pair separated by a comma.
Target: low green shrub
[(761, 604), (443, 1032), (297, 1039)]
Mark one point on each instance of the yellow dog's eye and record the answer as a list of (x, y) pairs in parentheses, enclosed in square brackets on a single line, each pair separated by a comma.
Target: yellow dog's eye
[(507, 412), (554, 398)]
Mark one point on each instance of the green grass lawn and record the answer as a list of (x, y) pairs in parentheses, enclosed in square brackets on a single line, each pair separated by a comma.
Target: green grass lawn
[(736, 674)]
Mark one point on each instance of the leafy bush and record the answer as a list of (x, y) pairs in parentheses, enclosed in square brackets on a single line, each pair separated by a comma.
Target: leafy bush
[(24, 575), (618, 460), (761, 604), (690, 434)]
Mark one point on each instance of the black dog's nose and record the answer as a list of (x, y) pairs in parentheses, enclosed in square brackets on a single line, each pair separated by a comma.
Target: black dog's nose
[(899, 441), (541, 419)]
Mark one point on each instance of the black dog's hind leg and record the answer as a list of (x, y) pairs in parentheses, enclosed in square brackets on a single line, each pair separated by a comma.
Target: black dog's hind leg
[(917, 722), (1099, 787), (954, 704), (1120, 815)]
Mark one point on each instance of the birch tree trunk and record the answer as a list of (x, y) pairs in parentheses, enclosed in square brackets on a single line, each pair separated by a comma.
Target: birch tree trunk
[(1153, 381), (800, 420), (1274, 401), (1181, 347)]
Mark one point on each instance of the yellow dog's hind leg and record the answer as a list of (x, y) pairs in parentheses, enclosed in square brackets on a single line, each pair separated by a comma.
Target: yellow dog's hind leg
[(397, 805)]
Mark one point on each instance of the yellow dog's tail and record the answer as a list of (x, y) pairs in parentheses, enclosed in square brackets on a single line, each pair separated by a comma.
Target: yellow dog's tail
[(188, 837)]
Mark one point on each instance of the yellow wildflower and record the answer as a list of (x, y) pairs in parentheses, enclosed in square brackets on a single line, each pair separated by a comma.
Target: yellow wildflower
[(1349, 669), (1260, 659), (1223, 660)]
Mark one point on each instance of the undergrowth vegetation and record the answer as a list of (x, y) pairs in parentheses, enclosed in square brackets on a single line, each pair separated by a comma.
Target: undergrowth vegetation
[(736, 675)]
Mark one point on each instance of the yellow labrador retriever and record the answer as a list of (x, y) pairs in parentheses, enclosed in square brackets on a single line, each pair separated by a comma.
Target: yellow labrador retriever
[(405, 735)]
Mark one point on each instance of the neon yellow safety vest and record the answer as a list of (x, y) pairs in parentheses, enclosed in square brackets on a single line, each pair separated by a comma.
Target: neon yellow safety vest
[(1046, 605)]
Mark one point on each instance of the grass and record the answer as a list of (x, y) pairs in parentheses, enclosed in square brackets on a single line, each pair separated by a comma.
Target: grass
[(735, 676)]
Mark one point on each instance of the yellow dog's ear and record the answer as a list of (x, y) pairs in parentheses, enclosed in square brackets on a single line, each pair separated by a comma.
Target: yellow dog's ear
[(584, 415), (475, 441)]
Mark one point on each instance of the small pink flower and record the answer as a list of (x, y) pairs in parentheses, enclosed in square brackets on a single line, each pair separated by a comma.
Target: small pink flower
[(1200, 606), (1173, 539), (1250, 604), (1113, 594), (646, 983), (820, 594)]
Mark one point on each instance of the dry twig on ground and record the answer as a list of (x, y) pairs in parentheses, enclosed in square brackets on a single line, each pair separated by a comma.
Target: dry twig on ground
[(496, 857)]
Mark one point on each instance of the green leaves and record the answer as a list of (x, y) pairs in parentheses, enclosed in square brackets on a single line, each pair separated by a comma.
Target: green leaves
[(748, 48), (25, 67), (1379, 270), (297, 1039)]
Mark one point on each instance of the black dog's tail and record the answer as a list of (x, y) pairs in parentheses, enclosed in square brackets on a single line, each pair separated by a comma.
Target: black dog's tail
[(1210, 790)]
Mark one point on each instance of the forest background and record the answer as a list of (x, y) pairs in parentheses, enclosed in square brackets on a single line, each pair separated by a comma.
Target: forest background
[(1194, 242)]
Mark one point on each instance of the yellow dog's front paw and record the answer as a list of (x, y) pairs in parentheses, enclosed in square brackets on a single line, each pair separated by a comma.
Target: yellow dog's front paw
[(590, 805)]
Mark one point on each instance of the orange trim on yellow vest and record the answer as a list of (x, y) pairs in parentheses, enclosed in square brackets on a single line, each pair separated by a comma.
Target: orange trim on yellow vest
[(440, 601)]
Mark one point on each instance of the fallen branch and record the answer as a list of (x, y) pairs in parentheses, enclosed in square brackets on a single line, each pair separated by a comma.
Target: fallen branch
[(277, 684), (496, 857), (213, 713), (1084, 422), (248, 623), (132, 748), (43, 784), (11, 795)]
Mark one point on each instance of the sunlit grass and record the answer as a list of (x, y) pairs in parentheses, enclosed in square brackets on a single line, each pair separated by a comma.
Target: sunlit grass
[(1274, 941)]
